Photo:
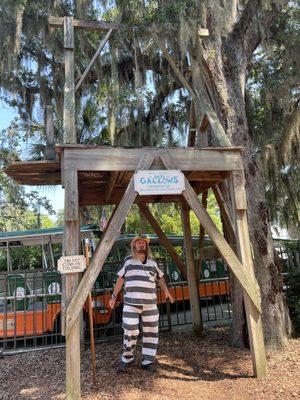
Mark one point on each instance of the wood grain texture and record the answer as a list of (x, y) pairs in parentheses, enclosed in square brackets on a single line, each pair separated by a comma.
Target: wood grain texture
[(69, 89), (254, 321), (185, 159), (71, 281), (191, 271)]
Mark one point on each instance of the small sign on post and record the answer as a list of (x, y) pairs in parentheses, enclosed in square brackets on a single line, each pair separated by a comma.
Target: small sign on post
[(159, 182), (71, 264)]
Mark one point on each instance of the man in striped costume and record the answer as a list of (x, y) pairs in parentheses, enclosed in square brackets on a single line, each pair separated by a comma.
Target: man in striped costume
[(140, 274)]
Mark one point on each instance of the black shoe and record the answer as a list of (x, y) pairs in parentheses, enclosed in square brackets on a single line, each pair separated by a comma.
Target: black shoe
[(123, 367), (149, 367)]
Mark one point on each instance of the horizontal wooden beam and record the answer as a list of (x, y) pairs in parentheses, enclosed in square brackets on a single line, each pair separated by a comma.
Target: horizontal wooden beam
[(60, 147), (58, 22), (116, 159)]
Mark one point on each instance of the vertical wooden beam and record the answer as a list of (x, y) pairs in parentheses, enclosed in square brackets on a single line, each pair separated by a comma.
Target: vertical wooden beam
[(201, 235), (224, 210), (191, 271), (254, 321), (162, 237), (192, 127), (72, 247), (69, 93)]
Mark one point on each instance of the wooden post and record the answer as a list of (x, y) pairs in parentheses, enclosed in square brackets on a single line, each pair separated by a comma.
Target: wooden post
[(163, 238), (201, 236), (224, 211), (91, 319), (72, 246), (69, 94), (192, 127), (191, 271), (254, 321)]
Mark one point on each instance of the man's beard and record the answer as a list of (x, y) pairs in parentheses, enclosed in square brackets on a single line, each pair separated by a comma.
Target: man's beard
[(141, 251)]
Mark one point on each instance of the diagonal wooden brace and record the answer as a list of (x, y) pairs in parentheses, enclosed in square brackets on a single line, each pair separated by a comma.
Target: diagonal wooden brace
[(104, 248), (249, 285)]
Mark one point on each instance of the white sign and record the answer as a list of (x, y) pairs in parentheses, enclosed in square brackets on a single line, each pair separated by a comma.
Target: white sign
[(71, 264), (10, 324), (159, 182)]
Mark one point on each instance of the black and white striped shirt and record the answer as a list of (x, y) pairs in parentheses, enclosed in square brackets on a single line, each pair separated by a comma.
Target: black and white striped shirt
[(140, 281)]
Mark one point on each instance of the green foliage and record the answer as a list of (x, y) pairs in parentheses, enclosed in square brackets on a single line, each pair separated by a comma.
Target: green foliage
[(169, 217), (274, 116), (293, 299)]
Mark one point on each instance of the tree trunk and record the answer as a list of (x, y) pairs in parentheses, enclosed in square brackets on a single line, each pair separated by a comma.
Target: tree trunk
[(227, 72)]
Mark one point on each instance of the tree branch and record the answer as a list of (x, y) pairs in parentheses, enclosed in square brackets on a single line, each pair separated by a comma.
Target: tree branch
[(255, 14)]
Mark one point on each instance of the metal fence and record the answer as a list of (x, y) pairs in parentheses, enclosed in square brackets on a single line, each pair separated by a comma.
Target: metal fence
[(30, 309), (30, 302)]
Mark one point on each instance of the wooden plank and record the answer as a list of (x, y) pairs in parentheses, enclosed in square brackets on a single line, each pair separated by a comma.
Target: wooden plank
[(225, 250), (254, 321), (60, 147), (205, 108), (71, 201), (71, 247), (192, 127), (199, 96), (173, 65), (224, 210), (191, 271), (239, 189), (95, 56), (162, 237), (109, 236), (201, 235), (110, 185), (203, 32), (58, 22), (69, 90), (116, 159)]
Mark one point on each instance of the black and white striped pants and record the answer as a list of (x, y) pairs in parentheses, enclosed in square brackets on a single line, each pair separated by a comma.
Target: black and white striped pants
[(131, 318)]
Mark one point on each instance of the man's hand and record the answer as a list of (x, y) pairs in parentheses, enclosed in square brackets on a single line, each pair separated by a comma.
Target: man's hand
[(112, 303), (169, 296)]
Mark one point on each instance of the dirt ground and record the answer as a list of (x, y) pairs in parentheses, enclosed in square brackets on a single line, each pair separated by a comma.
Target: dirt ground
[(189, 368)]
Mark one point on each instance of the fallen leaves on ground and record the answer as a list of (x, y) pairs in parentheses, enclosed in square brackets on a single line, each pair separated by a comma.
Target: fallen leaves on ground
[(189, 368)]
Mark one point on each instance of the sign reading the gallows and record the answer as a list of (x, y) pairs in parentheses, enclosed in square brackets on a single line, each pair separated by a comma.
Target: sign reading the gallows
[(159, 182), (71, 264)]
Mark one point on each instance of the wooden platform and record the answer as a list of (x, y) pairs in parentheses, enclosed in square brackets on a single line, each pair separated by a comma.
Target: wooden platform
[(104, 172)]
